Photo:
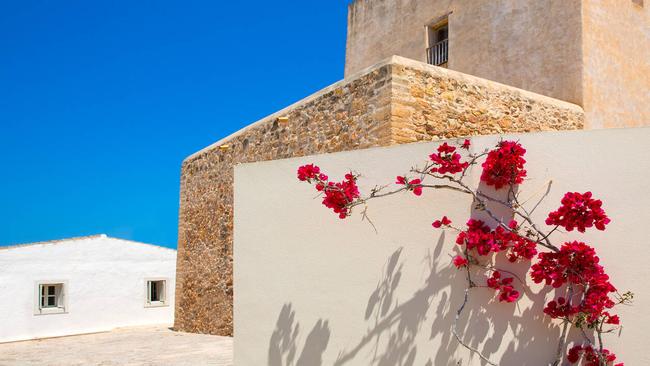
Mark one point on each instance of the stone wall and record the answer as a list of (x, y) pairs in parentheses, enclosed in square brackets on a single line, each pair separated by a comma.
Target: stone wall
[(395, 101), (433, 102)]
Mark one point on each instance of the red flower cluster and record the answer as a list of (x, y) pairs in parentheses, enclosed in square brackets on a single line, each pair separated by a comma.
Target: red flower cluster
[(465, 144), (591, 356), (507, 293), (309, 172), (579, 211), (447, 160), (559, 309), (479, 236), (460, 261), (444, 221), (337, 195), (504, 165), (612, 319), (575, 263), (518, 246), (413, 185)]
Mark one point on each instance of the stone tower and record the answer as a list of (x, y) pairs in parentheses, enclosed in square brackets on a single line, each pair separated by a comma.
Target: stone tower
[(594, 53)]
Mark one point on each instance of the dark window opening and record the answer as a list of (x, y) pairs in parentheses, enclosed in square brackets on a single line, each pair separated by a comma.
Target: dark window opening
[(156, 291), (438, 50)]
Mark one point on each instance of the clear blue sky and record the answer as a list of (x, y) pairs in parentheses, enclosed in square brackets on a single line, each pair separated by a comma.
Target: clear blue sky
[(100, 101)]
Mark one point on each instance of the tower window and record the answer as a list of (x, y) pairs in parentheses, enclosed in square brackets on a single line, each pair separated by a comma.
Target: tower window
[(438, 48)]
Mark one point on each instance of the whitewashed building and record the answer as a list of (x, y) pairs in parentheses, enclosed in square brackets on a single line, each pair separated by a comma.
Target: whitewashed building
[(84, 285)]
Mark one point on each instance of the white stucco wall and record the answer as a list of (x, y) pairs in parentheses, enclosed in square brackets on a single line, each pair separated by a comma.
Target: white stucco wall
[(323, 291), (106, 286)]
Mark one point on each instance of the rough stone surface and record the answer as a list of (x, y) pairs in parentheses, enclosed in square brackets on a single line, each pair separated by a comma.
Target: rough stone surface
[(395, 101), (431, 102)]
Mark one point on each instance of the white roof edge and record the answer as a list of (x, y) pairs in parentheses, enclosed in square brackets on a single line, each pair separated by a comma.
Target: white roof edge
[(79, 238), (141, 243)]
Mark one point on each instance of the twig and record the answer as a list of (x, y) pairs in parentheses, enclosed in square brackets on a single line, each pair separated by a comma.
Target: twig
[(364, 216), (455, 331), (559, 355)]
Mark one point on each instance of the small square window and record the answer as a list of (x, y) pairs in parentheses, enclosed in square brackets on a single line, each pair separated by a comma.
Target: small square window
[(156, 292), (50, 297)]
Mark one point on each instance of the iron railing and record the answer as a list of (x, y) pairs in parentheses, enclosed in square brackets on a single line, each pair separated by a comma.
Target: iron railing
[(438, 54)]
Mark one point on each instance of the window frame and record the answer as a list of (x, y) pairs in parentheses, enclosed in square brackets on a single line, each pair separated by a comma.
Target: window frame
[(164, 298), (60, 296), (432, 28)]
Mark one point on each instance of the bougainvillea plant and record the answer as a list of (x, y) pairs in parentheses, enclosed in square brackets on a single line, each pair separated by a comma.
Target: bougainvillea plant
[(584, 296)]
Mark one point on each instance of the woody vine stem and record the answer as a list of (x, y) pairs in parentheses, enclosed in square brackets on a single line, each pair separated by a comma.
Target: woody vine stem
[(584, 295)]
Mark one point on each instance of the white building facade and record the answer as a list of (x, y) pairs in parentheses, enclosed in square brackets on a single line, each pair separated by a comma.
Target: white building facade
[(84, 285)]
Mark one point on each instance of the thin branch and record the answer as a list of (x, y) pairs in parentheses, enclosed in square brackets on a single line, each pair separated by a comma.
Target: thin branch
[(364, 216), (455, 331), (548, 190), (559, 354)]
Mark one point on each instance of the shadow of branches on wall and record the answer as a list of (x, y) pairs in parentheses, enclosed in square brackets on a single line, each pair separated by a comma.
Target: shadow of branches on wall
[(283, 346), (397, 327), (391, 338)]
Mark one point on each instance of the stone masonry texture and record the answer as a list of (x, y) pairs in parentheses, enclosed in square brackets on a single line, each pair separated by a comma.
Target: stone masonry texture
[(396, 101)]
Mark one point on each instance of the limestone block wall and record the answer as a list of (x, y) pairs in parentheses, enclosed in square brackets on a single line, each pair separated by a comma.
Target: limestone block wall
[(433, 102), (393, 102)]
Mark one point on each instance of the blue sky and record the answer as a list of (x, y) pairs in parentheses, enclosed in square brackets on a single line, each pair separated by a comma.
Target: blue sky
[(101, 101)]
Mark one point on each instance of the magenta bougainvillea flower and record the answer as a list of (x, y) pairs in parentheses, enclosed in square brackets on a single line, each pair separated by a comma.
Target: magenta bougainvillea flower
[(460, 261), (507, 292), (591, 356), (336, 195), (579, 211), (413, 185), (447, 160), (576, 263), (339, 195), (504, 165), (444, 221), (308, 172)]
